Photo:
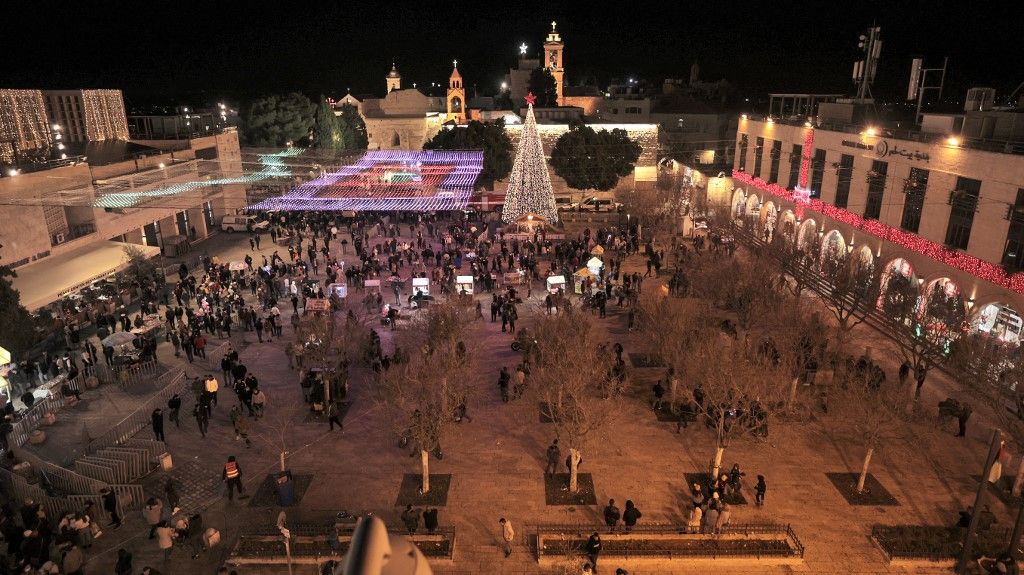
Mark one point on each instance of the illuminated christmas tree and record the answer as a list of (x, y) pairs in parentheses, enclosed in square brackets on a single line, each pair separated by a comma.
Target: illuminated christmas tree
[(529, 186)]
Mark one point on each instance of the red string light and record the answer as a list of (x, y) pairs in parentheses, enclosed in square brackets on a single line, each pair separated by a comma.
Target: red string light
[(964, 262)]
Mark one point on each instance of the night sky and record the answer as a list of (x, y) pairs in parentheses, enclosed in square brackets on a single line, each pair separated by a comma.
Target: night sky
[(183, 52)]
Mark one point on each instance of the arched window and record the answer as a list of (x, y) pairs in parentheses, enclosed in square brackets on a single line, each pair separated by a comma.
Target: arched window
[(396, 141), (456, 104)]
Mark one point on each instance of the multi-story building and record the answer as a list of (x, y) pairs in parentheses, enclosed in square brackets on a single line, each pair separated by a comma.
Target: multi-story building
[(25, 130), (945, 208), (87, 115), (67, 222)]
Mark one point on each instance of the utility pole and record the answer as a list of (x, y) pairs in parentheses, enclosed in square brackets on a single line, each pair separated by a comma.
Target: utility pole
[(979, 501)]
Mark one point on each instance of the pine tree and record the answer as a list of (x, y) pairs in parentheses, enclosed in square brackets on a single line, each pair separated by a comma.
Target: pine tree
[(529, 186)]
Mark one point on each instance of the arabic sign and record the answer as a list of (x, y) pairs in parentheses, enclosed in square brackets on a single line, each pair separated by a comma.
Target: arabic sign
[(883, 150)]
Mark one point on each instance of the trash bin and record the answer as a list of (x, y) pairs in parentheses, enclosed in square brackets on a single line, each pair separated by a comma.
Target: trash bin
[(166, 462), (285, 488)]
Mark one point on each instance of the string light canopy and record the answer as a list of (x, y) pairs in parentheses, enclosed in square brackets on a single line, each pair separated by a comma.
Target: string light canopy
[(384, 180), (24, 126), (529, 185), (956, 259)]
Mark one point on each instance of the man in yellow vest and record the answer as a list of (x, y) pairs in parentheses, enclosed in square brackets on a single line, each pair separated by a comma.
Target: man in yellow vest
[(233, 477), (211, 385)]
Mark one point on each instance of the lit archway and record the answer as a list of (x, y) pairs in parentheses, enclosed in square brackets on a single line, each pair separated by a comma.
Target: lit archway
[(769, 217), (897, 294), (942, 306), (865, 258), (833, 253), (808, 235), (1000, 323), (787, 225), (739, 204)]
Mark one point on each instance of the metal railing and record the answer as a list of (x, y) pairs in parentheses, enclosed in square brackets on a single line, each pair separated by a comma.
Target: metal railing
[(120, 432), (580, 531), (131, 375)]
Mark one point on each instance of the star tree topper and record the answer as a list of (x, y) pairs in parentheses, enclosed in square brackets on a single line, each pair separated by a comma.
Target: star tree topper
[(530, 98)]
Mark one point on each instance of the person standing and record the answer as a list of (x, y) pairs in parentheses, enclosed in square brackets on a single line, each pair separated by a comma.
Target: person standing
[(171, 493), (630, 515), (109, 499), (232, 476), (411, 519), (165, 539), (174, 404), (554, 454), (151, 513), (659, 395), (961, 418), (430, 519), (158, 424), (508, 535), (611, 515), (593, 549)]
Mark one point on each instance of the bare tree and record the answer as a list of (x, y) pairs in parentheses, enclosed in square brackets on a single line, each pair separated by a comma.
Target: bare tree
[(741, 389), (574, 381), (852, 290), (872, 416), (422, 396), (737, 286), (670, 325)]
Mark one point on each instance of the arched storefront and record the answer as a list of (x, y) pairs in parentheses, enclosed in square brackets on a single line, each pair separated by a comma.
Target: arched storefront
[(942, 307), (865, 258), (768, 218), (787, 225), (833, 253), (897, 294), (1000, 322), (807, 238)]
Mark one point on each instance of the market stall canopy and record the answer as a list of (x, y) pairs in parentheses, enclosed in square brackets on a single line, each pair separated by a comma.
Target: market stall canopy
[(583, 273), (236, 266), (118, 338), (48, 280), (597, 251), (595, 263)]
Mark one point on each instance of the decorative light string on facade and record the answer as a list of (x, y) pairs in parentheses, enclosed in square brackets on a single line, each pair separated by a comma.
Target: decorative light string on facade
[(953, 258)]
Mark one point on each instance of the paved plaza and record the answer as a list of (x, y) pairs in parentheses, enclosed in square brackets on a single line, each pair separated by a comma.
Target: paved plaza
[(496, 461)]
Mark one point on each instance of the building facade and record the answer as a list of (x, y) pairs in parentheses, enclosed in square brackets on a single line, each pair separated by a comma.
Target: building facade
[(939, 208), (25, 129), (87, 115)]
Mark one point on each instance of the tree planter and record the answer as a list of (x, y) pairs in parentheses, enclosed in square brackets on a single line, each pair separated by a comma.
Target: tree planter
[(48, 419), (92, 382), (37, 437), (317, 549), (741, 544), (931, 546)]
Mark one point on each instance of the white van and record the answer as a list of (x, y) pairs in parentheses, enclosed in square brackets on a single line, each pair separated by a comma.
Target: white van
[(240, 223)]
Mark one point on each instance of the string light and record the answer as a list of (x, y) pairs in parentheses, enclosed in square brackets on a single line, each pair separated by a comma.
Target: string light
[(529, 185), (956, 259), (23, 123)]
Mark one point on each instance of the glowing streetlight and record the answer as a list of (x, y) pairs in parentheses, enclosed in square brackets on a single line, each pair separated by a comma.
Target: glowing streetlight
[(162, 165), (953, 141), (871, 131), (504, 86), (12, 173), (56, 127)]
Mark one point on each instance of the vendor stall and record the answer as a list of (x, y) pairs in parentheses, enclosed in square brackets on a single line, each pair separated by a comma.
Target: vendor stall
[(556, 283), (236, 266), (514, 278), (421, 285), (339, 291), (464, 284), (314, 305), (372, 286), (595, 264), (582, 280)]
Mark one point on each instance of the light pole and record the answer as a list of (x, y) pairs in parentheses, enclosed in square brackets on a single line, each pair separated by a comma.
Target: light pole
[(979, 501)]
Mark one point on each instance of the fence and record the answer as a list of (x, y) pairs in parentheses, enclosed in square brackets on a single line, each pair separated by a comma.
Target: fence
[(583, 530), (132, 375), (120, 432), (62, 479), (33, 418)]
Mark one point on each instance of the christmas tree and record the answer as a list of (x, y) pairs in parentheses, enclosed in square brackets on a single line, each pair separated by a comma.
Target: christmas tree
[(529, 186)]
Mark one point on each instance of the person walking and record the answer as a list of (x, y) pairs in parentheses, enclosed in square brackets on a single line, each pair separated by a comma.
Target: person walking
[(232, 476), (210, 388), (611, 515), (109, 501), (124, 562), (332, 415), (593, 549), (659, 394), (158, 424), (759, 490), (961, 418), (508, 535), (554, 454), (171, 493), (152, 513), (202, 415), (174, 405), (631, 515)]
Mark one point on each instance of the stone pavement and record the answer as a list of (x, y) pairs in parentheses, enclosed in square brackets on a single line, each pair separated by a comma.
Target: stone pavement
[(496, 462)]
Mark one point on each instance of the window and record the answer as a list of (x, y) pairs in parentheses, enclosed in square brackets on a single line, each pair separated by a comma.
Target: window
[(817, 172), (633, 110), (914, 190), (964, 200), (776, 153), (876, 189), (1013, 255), (845, 173), (758, 155), (744, 141), (795, 157)]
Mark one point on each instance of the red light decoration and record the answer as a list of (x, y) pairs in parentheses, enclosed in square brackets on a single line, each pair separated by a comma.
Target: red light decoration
[(805, 158), (530, 98), (964, 262)]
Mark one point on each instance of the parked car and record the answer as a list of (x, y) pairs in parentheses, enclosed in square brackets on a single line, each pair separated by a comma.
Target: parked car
[(595, 205), (241, 223)]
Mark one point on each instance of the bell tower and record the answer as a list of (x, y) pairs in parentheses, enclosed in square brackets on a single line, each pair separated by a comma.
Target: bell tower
[(553, 52), (456, 96), (394, 79)]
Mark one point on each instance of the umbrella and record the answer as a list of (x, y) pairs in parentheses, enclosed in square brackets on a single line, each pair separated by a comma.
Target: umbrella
[(119, 338)]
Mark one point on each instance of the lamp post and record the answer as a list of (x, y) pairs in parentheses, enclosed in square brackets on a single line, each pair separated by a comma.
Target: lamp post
[(979, 501)]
